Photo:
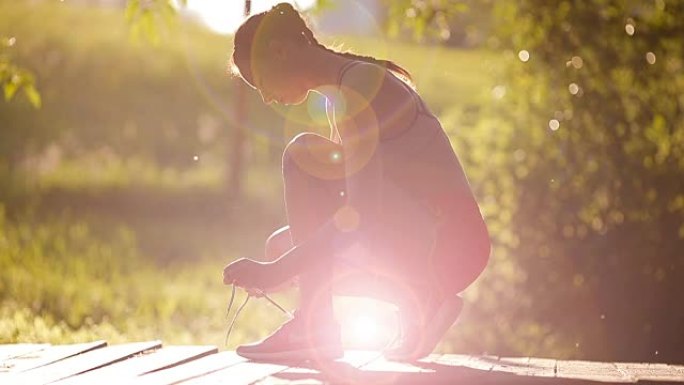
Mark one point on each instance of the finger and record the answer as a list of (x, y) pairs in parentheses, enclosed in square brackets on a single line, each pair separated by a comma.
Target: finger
[(255, 293), (228, 278), (238, 283)]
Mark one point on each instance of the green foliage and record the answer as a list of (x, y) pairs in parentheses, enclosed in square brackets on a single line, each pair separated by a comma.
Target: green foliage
[(135, 115), (579, 163), (62, 281), (423, 18), (18, 324), (598, 112), (103, 93), (14, 78), (58, 254), (148, 17), (463, 23)]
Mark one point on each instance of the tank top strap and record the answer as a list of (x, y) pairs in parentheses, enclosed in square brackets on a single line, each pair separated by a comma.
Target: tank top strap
[(420, 104), (421, 108), (348, 65)]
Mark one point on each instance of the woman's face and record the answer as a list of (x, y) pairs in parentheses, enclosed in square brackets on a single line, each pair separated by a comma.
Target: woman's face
[(281, 78)]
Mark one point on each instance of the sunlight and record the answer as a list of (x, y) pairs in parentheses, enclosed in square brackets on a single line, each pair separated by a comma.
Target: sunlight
[(367, 324), (225, 16), (364, 329)]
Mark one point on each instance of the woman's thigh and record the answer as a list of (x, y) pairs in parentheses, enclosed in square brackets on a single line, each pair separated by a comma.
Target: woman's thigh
[(400, 242), (462, 250), (313, 173), (361, 278), (314, 156)]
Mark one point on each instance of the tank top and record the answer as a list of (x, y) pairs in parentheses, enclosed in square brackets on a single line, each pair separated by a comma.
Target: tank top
[(420, 158), (421, 108)]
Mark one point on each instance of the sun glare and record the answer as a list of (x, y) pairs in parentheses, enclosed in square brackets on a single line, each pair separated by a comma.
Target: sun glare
[(225, 16), (365, 330)]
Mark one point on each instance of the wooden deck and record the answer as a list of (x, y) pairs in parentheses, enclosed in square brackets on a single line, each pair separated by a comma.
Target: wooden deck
[(151, 363)]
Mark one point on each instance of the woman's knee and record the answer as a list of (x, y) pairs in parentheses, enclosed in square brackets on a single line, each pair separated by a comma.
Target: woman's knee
[(314, 155), (295, 150)]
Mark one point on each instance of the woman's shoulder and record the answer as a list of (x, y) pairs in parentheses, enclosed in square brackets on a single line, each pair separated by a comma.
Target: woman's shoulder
[(357, 67), (371, 85), (362, 77)]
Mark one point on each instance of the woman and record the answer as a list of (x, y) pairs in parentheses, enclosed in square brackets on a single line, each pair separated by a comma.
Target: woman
[(381, 208)]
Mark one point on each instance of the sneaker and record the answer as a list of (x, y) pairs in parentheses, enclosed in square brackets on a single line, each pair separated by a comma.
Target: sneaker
[(420, 339), (297, 340)]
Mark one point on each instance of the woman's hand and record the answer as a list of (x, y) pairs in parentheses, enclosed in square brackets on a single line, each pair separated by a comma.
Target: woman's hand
[(249, 274)]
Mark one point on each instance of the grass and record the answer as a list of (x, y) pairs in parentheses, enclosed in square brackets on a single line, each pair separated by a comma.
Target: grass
[(61, 281)]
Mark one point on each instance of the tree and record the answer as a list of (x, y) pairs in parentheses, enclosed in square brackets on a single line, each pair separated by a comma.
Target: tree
[(582, 148)]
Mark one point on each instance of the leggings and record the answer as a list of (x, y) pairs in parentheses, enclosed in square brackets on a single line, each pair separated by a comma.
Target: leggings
[(413, 251)]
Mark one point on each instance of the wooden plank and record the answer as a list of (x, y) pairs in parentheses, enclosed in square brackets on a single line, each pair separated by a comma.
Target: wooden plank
[(678, 369), (79, 364), (356, 367), (541, 367), (515, 365), (48, 356), (8, 351), (91, 363), (652, 371), (591, 371), (344, 370), (190, 370), (393, 372), (383, 365), (359, 358), (483, 363), (244, 373), (144, 363), (452, 359), (446, 369), (450, 368)]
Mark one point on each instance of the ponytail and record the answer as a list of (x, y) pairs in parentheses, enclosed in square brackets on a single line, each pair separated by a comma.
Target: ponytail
[(284, 22), (390, 65)]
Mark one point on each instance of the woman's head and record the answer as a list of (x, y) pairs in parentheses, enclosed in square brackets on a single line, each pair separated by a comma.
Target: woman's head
[(271, 49), (266, 49)]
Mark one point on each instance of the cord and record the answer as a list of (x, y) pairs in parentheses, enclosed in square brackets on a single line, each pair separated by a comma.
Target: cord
[(274, 303), (257, 294), (237, 313)]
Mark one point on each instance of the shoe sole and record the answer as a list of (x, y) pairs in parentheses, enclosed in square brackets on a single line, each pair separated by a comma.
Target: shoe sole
[(327, 354), (444, 318)]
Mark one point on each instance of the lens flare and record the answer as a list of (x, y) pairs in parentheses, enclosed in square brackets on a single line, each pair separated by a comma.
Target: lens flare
[(367, 324), (365, 329)]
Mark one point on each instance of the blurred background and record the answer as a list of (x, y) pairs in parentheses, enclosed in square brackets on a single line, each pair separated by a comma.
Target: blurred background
[(133, 167)]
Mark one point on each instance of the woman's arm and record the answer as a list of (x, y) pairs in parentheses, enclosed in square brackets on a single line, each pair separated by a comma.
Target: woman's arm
[(265, 276), (357, 125), (359, 130)]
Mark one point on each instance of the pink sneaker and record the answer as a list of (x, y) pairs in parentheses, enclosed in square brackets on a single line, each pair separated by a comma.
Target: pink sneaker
[(417, 339), (297, 340)]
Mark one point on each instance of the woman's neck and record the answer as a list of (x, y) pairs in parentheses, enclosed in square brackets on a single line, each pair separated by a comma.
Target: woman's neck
[(324, 69)]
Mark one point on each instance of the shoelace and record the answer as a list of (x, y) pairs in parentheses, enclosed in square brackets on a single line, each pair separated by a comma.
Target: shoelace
[(259, 294)]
